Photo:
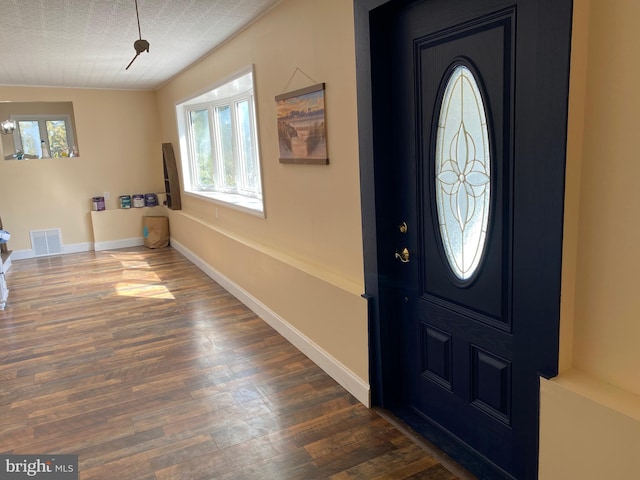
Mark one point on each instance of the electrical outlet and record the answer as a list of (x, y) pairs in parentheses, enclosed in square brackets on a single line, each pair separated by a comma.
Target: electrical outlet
[(106, 196)]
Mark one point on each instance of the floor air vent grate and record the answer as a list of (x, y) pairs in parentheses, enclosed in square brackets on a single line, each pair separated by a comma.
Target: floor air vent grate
[(46, 242)]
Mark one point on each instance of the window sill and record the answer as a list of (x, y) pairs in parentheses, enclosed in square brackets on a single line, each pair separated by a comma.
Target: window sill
[(252, 206)]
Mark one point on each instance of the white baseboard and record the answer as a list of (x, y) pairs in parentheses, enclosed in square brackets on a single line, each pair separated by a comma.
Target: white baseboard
[(71, 248), (115, 244), (334, 368), (77, 248)]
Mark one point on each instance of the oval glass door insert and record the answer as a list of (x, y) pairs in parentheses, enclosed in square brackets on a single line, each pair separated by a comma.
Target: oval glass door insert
[(463, 173)]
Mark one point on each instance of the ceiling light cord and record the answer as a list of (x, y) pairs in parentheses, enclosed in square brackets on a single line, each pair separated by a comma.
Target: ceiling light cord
[(138, 17), (139, 45)]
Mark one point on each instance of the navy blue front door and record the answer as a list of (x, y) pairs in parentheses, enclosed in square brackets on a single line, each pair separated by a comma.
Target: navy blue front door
[(469, 131)]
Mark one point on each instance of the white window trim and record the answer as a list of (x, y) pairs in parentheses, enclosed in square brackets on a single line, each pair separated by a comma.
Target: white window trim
[(252, 206), (249, 203)]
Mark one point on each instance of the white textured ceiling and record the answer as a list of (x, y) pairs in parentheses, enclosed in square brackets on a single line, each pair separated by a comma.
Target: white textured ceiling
[(88, 43)]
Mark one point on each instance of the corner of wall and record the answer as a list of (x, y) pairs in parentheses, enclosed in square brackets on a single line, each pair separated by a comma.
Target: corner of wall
[(575, 142)]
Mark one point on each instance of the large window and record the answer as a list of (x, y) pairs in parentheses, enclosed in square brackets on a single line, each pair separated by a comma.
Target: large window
[(219, 144)]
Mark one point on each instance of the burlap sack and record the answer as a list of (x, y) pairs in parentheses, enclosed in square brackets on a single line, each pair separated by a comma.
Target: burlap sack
[(155, 231)]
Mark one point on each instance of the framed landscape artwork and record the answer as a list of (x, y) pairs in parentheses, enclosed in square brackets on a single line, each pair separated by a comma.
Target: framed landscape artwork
[(301, 126)]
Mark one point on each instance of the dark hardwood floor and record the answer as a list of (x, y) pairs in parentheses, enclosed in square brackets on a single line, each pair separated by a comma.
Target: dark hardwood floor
[(139, 363)]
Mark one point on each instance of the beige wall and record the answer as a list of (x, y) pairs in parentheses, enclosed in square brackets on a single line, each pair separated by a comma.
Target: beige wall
[(120, 153), (601, 306), (590, 413), (303, 261), (312, 212), (607, 313), (589, 430)]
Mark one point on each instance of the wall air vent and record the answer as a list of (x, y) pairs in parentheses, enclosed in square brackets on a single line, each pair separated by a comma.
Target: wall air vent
[(46, 242)]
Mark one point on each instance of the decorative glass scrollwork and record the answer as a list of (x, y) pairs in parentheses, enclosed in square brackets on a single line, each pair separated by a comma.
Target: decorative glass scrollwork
[(463, 173)]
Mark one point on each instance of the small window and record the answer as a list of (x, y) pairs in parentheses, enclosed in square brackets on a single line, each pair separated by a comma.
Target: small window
[(219, 144), (44, 136)]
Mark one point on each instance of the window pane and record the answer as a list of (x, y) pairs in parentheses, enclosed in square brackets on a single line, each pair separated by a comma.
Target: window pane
[(225, 146), (463, 173), (247, 147), (201, 137), (57, 133), (30, 137)]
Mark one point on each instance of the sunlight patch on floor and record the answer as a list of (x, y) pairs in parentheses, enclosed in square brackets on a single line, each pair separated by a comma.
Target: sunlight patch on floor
[(139, 279), (143, 290)]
